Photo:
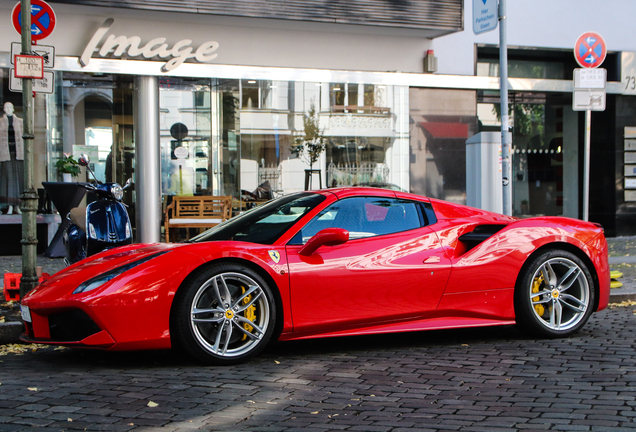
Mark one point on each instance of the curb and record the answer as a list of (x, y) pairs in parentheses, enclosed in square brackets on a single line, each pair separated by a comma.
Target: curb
[(623, 295), (10, 331)]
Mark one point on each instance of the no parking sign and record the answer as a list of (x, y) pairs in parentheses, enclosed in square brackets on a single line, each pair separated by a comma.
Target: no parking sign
[(590, 50), (42, 19)]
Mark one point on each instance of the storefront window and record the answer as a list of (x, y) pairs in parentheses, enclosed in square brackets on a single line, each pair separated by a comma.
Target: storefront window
[(11, 147), (185, 122), (440, 123), (544, 151), (363, 125)]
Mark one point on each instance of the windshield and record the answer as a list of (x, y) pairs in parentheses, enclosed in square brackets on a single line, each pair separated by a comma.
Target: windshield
[(266, 223)]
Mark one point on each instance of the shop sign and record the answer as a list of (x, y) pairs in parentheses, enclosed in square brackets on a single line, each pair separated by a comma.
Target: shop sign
[(122, 45)]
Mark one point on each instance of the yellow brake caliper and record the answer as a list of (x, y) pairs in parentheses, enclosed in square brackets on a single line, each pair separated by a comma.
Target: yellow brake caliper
[(249, 314), (536, 286)]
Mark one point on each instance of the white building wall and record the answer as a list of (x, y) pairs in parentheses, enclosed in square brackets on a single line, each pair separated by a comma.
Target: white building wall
[(541, 24), (242, 41)]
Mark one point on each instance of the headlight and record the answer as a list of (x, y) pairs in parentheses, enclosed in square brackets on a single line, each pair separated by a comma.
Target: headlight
[(117, 192), (100, 280)]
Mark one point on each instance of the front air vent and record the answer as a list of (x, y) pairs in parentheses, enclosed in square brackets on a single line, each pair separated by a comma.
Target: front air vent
[(479, 234), (71, 326)]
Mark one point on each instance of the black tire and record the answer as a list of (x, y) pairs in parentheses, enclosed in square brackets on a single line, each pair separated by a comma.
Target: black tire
[(560, 307), (225, 314)]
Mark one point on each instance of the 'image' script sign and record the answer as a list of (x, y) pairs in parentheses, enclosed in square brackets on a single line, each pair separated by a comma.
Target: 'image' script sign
[(120, 45)]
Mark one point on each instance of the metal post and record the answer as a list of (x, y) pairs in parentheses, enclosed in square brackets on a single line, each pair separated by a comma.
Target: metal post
[(586, 165), (505, 137), (29, 279), (147, 159)]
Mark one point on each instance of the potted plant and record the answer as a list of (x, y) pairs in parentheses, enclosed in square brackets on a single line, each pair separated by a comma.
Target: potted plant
[(68, 167), (312, 143)]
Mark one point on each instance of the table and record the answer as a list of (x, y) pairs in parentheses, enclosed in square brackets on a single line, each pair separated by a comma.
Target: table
[(64, 196)]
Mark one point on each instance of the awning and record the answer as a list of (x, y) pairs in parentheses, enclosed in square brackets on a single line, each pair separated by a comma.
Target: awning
[(446, 130)]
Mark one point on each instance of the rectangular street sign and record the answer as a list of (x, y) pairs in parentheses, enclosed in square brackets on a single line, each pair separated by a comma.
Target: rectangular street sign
[(47, 52), (584, 100), (44, 85), (485, 15), (590, 78), (29, 66)]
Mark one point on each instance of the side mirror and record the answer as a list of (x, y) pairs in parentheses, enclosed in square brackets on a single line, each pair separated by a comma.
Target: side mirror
[(83, 160), (326, 237), (128, 183)]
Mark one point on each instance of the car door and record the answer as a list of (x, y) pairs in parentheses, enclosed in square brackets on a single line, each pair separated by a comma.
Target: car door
[(392, 268)]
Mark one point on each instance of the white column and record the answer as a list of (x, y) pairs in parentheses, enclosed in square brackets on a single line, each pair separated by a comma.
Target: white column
[(147, 159)]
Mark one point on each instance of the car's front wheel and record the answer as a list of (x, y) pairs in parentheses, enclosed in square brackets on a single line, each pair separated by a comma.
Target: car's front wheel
[(554, 296), (224, 315)]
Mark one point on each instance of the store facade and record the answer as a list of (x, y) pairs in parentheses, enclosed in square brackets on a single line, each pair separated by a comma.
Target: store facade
[(191, 104)]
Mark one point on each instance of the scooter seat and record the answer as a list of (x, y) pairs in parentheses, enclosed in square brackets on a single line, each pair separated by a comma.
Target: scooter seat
[(78, 217)]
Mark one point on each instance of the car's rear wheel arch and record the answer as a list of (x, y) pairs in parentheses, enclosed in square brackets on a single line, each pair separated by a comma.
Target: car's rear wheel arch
[(242, 262), (568, 247)]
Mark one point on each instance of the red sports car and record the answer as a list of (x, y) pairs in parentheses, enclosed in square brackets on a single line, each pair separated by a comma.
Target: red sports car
[(335, 262)]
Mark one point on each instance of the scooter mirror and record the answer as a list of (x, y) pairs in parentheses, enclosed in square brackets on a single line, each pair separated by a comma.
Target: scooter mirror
[(128, 183), (83, 160)]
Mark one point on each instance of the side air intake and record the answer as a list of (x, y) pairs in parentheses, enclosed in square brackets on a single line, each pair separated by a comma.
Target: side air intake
[(479, 234)]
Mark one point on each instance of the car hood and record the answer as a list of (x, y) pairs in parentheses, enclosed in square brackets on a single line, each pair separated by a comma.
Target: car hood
[(98, 264)]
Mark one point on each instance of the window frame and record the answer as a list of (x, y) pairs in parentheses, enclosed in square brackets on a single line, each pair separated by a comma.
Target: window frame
[(425, 214)]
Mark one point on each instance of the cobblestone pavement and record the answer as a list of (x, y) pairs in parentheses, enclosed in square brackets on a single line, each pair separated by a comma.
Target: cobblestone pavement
[(490, 379)]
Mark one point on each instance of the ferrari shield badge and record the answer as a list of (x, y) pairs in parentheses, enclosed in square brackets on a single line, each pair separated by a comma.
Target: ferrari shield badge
[(275, 256)]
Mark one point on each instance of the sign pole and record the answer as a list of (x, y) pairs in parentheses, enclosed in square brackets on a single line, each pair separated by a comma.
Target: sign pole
[(505, 119), (29, 279), (586, 165)]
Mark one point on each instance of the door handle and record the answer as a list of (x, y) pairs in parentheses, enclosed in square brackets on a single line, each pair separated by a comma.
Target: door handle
[(432, 260)]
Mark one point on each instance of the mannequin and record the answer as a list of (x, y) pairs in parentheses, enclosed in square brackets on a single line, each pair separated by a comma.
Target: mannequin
[(11, 159)]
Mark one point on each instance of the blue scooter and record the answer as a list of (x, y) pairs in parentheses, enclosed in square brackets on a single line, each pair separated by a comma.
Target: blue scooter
[(106, 220)]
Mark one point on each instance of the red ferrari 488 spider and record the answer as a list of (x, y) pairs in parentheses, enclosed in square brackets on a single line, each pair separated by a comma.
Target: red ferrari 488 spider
[(335, 262)]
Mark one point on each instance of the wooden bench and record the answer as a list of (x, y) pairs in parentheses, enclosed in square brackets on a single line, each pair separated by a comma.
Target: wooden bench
[(197, 212)]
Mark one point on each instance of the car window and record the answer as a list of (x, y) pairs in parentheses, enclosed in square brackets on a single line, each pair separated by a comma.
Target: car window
[(365, 217), (266, 223)]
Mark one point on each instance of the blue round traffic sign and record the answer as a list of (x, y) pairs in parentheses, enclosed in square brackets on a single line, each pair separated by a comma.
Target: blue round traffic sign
[(42, 19), (590, 50)]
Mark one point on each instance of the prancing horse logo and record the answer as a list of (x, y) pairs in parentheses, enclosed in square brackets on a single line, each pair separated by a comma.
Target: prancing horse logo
[(275, 256)]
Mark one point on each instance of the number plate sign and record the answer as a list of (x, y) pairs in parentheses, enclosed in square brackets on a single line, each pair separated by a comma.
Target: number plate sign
[(44, 85), (628, 72), (29, 66), (590, 78), (26, 313)]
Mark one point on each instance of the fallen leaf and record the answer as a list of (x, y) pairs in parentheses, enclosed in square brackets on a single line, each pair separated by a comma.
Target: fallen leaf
[(69, 419), (33, 388), (276, 361), (315, 412), (152, 404)]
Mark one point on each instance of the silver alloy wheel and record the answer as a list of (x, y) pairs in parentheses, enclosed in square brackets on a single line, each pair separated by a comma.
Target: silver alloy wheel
[(229, 314), (559, 294)]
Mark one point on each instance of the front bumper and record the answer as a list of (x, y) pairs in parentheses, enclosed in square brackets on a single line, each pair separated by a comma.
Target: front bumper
[(66, 328)]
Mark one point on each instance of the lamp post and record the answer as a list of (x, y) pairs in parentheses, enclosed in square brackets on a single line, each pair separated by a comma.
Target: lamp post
[(29, 279), (506, 164)]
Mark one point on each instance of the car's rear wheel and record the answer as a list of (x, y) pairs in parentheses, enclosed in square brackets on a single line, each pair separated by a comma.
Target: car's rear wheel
[(224, 315), (554, 296)]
